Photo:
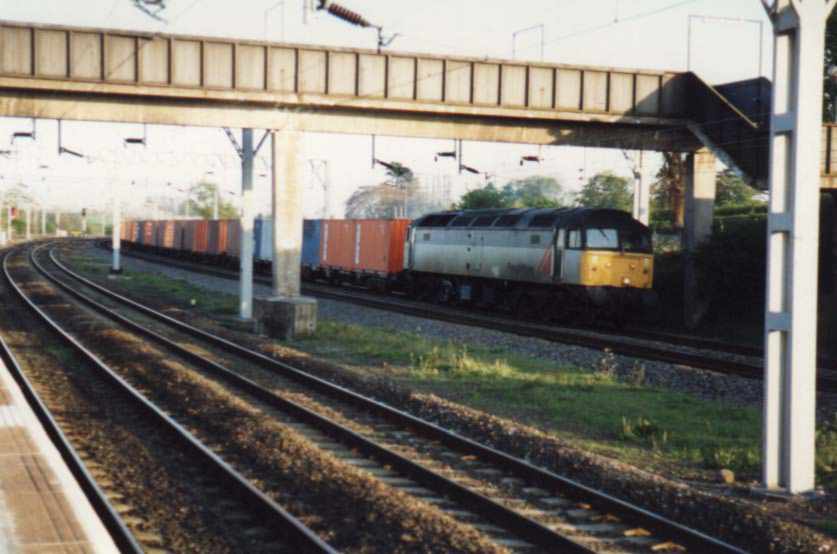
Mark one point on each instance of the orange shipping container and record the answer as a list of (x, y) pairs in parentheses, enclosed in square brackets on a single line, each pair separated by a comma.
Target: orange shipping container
[(223, 227), (201, 236), (364, 245), (168, 234), (148, 233), (379, 245), (337, 246)]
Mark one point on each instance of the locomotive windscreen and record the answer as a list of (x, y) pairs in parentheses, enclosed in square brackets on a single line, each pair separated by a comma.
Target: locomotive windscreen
[(615, 230), (627, 237), (636, 238)]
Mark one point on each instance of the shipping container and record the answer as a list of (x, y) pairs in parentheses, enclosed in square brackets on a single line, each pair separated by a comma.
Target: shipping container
[(379, 245), (223, 230), (213, 233), (179, 235), (201, 243), (363, 245), (337, 248), (159, 231), (311, 240), (233, 237), (148, 233), (168, 233), (264, 240), (189, 228), (138, 232)]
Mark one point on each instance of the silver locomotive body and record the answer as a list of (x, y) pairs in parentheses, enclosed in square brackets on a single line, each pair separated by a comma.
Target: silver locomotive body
[(535, 256)]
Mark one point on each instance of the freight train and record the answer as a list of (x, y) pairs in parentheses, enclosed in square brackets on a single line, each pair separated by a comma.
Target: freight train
[(549, 264)]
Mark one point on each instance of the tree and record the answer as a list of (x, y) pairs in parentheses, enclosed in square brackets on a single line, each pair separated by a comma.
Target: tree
[(400, 195), (532, 192), (486, 197), (202, 202), (536, 191), (668, 192), (606, 190), (732, 190)]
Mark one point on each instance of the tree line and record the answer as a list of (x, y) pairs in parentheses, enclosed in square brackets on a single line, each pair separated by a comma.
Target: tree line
[(606, 190), (401, 195)]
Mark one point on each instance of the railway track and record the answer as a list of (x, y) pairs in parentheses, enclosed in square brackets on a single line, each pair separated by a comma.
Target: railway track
[(520, 506), (122, 537), (242, 516), (710, 354)]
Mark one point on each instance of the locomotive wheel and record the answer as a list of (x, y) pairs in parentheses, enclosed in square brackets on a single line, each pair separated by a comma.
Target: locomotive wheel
[(524, 307)]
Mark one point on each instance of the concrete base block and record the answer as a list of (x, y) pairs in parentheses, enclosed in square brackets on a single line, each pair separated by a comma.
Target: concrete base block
[(238, 324), (285, 318)]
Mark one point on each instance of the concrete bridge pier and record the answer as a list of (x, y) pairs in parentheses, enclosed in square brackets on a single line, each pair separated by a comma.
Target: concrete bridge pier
[(701, 176), (286, 314)]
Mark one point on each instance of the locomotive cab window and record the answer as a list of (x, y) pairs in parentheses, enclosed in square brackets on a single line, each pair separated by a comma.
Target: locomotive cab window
[(599, 238), (534, 239), (574, 238), (636, 239)]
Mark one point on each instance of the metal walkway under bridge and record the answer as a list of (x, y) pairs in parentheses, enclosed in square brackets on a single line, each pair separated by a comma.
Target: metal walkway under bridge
[(125, 76)]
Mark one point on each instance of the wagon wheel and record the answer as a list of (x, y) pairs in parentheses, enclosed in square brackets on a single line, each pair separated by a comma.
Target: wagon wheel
[(444, 293)]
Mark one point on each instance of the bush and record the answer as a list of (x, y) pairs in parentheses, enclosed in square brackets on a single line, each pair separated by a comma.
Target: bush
[(732, 263)]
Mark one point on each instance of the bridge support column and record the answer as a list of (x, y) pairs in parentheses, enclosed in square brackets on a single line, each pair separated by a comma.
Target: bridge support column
[(115, 237), (29, 222), (790, 319), (57, 222), (700, 204), (286, 314), (245, 304)]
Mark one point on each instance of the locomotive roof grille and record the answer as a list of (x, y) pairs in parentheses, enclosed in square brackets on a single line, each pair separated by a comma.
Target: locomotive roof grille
[(529, 217)]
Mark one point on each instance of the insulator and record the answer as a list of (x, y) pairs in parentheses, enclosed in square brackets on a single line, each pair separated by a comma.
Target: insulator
[(347, 15)]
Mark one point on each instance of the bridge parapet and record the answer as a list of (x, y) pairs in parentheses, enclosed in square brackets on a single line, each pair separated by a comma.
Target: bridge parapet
[(305, 73)]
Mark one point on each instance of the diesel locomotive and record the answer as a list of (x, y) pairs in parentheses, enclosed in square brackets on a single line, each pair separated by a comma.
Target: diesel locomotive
[(545, 263)]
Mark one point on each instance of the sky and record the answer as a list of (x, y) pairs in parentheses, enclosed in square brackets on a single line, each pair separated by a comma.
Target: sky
[(721, 40)]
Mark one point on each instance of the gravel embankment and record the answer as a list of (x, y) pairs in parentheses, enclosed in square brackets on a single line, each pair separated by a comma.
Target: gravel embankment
[(704, 384)]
